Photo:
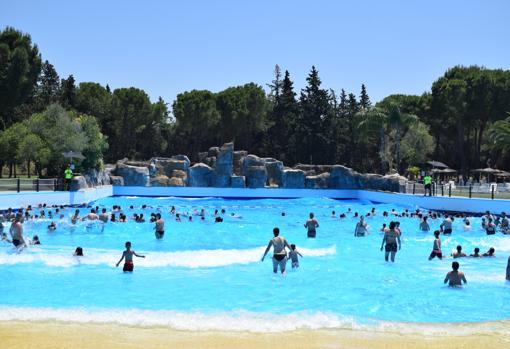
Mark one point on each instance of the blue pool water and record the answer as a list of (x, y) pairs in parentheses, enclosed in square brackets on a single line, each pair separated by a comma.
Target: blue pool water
[(204, 272)]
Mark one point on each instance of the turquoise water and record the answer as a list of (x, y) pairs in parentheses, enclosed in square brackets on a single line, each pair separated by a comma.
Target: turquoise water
[(205, 273)]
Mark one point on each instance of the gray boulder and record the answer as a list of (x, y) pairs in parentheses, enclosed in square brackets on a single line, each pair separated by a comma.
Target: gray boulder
[(221, 181), (274, 170), (133, 175), (251, 161), (160, 181), (256, 177), (96, 178), (176, 182), (294, 179), (202, 156), (167, 166), (317, 182), (213, 151), (237, 181), (239, 156), (224, 160), (117, 180), (200, 175), (78, 182), (182, 158), (342, 177)]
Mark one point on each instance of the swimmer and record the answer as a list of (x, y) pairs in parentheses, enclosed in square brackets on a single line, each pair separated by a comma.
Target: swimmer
[(383, 229), (458, 253), (177, 217), (312, 225), (16, 231), (467, 224), (504, 226), (172, 210), (424, 225), (5, 238), (455, 277), (490, 227), (446, 226), (389, 242), (489, 253), (279, 253), (35, 240), (333, 214), (397, 228), (52, 226), (112, 217), (218, 220), (159, 226), (361, 227), (78, 252), (91, 216), (128, 255), (476, 253), (103, 217), (293, 255), (75, 217), (484, 224), (436, 247)]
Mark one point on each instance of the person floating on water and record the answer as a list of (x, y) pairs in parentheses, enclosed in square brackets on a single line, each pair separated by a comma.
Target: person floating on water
[(293, 255), (389, 242), (361, 227), (436, 248), (128, 255), (312, 225), (279, 253), (455, 277)]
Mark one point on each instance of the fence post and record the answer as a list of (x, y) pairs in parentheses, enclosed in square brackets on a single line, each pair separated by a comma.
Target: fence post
[(414, 187), (450, 191), (37, 185), (470, 190), (442, 189), (18, 185), (492, 192), (54, 184)]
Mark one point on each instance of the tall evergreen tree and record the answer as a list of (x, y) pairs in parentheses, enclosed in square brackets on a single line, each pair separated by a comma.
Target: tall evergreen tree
[(364, 100), (48, 89), (68, 93), (315, 108), (276, 85)]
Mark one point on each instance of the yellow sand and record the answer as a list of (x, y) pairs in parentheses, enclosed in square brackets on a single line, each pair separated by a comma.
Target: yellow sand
[(56, 335)]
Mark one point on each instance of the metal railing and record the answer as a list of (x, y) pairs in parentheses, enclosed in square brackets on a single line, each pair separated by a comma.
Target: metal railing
[(29, 184), (475, 190)]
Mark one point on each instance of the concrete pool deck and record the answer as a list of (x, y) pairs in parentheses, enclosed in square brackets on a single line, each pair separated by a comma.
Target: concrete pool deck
[(440, 203), (59, 335)]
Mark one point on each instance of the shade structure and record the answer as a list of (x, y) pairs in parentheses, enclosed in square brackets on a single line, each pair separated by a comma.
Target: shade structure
[(486, 170), (448, 170), (73, 155), (437, 164), (503, 174)]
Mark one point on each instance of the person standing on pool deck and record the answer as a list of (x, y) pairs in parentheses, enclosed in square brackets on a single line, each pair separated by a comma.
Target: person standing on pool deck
[(455, 277), (159, 227), (312, 224), (361, 227), (279, 254), (446, 226), (391, 236), (427, 181), (128, 255)]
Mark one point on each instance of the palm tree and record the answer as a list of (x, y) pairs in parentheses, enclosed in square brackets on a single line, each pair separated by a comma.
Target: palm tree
[(500, 135)]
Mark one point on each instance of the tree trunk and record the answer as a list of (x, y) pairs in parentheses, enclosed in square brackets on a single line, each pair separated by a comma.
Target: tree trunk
[(479, 145), (2, 163), (28, 168), (10, 170)]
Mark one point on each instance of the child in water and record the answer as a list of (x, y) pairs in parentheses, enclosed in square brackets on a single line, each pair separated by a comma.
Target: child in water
[(128, 255), (293, 255)]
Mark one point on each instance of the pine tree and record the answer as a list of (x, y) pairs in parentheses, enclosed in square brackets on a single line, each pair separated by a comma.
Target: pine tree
[(364, 100), (276, 85), (315, 109), (68, 93), (48, 89)]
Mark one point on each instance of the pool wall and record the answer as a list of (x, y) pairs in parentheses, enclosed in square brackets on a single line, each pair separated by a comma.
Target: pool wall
[(473, 205), (23, 199)]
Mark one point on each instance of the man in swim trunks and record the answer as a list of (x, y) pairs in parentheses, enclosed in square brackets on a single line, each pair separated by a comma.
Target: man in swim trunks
[(504, 226), (391, 236), (159, 227), (436, 248), (128, 255), (490, 227), (361, 227), (446, 226), (458, 253), (311, 225), (279, 254), (455, 277), (91, 216), (17, 233)]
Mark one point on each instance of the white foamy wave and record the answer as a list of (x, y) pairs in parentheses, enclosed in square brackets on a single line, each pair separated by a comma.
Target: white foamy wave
[(187, 259), (244, 321)]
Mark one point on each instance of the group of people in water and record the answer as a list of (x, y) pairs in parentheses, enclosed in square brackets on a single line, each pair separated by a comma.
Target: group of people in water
[(391, 241)]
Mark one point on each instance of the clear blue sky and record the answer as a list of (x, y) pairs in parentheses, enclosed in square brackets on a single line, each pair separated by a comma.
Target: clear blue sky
[(169, 47)]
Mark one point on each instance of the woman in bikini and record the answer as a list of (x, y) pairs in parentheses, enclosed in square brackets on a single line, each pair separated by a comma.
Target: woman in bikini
[(279, 254)]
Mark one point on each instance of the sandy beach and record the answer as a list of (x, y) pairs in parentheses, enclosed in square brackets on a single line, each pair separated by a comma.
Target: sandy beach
[(56, 335)]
